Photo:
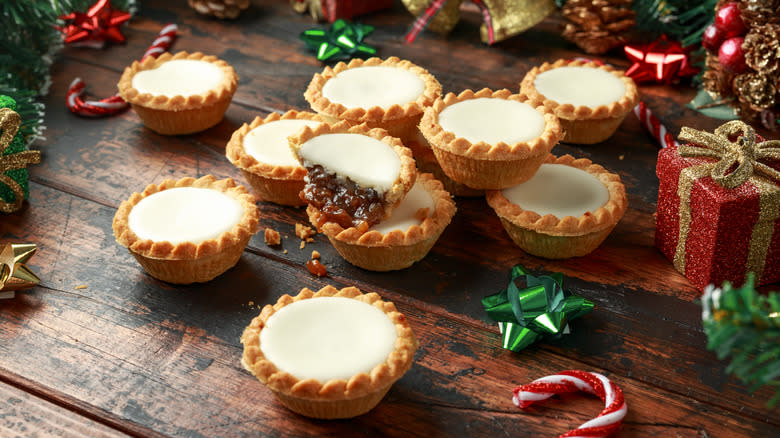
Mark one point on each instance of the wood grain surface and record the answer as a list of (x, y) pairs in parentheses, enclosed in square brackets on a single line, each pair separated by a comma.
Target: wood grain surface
[(99, 348)]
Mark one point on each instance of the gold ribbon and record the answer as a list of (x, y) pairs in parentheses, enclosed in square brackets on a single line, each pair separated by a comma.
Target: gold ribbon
[(9, 125), (14, 274), (508, 17), (738, 161)]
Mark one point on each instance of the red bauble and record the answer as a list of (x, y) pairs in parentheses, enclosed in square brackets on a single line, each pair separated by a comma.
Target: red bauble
[(729, 20), (712, 38), (731, 56)]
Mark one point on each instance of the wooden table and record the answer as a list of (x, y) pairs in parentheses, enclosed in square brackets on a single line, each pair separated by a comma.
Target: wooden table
[(99, 348)]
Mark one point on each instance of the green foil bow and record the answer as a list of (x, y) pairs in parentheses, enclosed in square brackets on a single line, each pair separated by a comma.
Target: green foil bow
[(342, 41), (541, 309)]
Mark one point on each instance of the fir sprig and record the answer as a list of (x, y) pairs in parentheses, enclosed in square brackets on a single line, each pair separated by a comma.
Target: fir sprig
[(681, 20), (745, 325)]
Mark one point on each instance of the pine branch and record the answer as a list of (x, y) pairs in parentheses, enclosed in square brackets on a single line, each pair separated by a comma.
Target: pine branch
[(681, 20), (745, 326)]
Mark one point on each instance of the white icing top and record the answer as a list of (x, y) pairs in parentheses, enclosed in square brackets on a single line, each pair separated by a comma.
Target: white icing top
[(366, 87), (580, 86), (185, 77), (405, 215), (492, 120), (327, 338), (559, 190), (184, 214), (365, 160), (268, 142)]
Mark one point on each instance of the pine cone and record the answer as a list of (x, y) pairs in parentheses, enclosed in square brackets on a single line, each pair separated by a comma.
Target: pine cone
[(755, 90), (219, 8), (716, 80), (597, 26), (762, 49), (758, 12)]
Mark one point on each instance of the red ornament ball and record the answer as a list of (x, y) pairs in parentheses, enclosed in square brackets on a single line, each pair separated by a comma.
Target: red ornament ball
[(712, 38), (729, 20), (731, 56)]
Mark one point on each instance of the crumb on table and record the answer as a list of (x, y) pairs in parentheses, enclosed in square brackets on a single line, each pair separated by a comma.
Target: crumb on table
[(304, 232), (272, 237), (81, 286), (315, 254)]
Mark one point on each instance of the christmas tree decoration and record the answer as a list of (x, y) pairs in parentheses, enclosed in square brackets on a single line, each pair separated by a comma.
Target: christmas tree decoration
[(680, 20), (502, 18), (114, 104), (662, 61), (539, 309), (719, 205), (597, 26), (744, 325), (219, 8), (343, 40), (743, 61), (13, 158), (606, 423), (332, 10), (14, 274), (99, 24)]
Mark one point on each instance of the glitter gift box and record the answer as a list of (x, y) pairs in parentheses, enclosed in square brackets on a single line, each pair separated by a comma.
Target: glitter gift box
[(719, 206)]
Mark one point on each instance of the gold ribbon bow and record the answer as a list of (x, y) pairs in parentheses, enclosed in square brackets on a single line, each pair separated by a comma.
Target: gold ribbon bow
[(14, 274), (9, 125), (740, 159), (743, 155)]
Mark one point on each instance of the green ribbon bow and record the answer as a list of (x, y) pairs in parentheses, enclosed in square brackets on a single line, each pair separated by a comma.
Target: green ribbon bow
[(342, 41), (541, 309)]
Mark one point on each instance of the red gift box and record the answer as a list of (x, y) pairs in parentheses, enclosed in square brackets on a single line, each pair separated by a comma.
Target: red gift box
[(332, 10), (710, 227)]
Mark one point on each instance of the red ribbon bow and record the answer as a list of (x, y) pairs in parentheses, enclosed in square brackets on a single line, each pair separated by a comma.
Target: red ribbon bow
[(661, 61), (99, 24)]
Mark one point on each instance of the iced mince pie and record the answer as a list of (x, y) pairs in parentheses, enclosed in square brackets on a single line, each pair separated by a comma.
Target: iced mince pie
[(390, 94), (331, 354), (179, 94), (590, 99), (356, 175), (400, 240), (489, 140), (189, 230), (566, 210), (263, 154)]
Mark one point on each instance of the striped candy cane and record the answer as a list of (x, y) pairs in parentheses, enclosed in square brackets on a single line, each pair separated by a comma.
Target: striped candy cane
[(607, 422), (656, 128), (114, 104)]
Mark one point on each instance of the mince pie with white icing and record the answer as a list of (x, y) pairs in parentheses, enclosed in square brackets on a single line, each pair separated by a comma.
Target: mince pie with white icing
[(487, 139), (179, 94), (566, 210), (356, 175), (590, 99), (262, 152), (400, 240), (330, 354), (390, 94), (189, 230)]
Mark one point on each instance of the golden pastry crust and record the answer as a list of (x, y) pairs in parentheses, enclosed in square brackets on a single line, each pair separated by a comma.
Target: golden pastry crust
[(603, 218), (279, 184), (568, 111), (240, 233), (325, 106), (291, 389), (393, 196), (437, 137), (398, 249), (177, 103)]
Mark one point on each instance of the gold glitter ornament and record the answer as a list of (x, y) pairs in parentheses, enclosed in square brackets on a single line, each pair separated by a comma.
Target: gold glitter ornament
[(14, 274), (9, 126), (756, 90), (762, 48)]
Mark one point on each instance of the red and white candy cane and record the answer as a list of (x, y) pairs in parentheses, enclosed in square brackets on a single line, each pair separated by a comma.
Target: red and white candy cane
[(656, 128), (114, 104), (607, 422)]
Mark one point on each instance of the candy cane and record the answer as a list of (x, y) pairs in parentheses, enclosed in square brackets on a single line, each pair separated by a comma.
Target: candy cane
[(652, 124), (607, 422), (114, 104)]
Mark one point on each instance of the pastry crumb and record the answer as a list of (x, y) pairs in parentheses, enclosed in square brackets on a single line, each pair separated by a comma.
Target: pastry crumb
[(309, 239), (81, 286), (315, 254), (304, 232), (621, 157), (251, 303), (303, 244), (285, 251), (272, 237)]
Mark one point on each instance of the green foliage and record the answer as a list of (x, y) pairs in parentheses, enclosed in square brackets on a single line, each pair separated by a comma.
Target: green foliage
[(745, 325), (681, 20)]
